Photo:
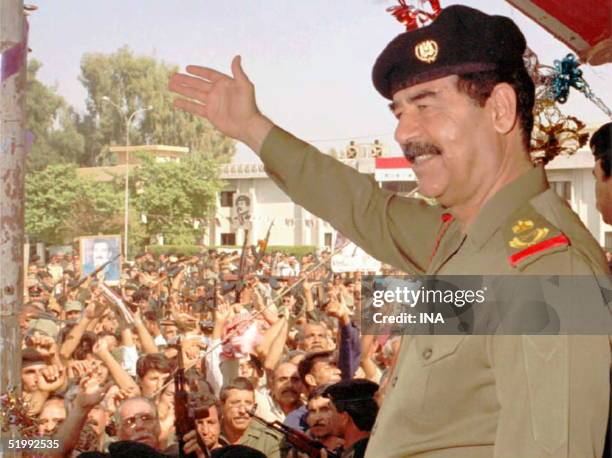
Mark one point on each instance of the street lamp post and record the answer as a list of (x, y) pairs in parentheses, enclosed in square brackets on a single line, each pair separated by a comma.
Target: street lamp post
[(128, 121)]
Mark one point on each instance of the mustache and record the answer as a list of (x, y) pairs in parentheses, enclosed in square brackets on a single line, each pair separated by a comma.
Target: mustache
[(412, 150)]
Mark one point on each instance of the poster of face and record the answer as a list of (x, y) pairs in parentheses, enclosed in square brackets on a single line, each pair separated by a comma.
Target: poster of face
[(242, 212), (98, 250)]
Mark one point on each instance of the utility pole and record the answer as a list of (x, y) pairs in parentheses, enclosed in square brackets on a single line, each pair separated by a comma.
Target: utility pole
[(14, 49)]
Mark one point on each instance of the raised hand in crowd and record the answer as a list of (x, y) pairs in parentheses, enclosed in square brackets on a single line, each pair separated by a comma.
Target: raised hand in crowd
[(191, 444), (337, 308), (118, 373), (45, 345), (52, 378), (89, 394)]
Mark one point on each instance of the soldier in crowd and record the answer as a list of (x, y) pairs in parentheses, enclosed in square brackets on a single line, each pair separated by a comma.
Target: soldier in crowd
[(356, 411), (463, 102)]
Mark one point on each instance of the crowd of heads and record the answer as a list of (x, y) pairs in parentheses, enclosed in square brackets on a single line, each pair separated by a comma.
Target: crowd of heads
[(260, 335)]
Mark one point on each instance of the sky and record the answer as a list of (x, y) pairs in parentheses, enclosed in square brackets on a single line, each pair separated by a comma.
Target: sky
[(310, 61)]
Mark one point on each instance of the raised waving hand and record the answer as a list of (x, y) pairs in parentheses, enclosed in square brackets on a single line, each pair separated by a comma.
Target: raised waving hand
[(228, 102)]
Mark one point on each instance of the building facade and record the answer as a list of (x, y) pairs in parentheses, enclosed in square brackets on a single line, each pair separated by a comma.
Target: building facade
[(570, 176)]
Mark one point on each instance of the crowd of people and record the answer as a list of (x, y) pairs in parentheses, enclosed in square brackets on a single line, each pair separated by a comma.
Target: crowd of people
[(264, 337)]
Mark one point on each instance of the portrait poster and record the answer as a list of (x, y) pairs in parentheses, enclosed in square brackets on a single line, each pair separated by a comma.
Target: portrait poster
[(242, 212), (97, 250)]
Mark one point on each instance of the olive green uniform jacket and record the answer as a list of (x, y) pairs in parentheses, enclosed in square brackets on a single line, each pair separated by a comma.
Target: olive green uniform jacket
[(261, 438), (468, 396)]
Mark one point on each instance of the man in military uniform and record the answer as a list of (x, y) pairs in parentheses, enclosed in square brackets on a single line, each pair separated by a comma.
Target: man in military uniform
[(356, 410), (237, 425), (463, 102)]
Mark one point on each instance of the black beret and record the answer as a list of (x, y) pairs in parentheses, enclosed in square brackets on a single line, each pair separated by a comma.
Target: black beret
[(237, 451), (460, 40), (353, 390), (601, 141), (131, 449)]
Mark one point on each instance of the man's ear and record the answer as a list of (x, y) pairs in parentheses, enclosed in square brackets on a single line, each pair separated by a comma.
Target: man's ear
[(310, 380), (503, 107)]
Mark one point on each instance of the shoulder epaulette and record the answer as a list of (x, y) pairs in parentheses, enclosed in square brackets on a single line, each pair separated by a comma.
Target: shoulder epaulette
[(528, 235)]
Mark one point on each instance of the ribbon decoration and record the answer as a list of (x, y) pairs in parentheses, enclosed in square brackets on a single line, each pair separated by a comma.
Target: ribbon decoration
[(553, 132), (566, 75), (415, 17)]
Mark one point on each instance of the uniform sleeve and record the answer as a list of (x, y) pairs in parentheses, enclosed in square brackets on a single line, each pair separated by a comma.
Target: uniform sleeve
[(349, 352), (554, 389), (213, 371), (395, 230)]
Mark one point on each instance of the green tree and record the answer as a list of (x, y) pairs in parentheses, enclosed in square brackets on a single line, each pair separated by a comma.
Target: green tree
[(173, 195), (136, 82), (61, 206), (53, 123)]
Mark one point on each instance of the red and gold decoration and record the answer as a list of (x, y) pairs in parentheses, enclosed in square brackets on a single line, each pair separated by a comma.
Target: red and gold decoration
[(14, 413), (414, 17)]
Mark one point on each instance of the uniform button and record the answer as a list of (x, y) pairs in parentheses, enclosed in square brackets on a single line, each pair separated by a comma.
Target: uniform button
[(427, 353), (394, 381)]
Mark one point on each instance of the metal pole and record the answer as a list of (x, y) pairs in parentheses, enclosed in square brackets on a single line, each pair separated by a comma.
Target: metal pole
[(127, 187), (13, 45), (128, 121)]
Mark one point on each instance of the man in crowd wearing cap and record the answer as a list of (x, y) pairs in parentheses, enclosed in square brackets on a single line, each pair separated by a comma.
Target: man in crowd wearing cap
[(356, 411), (73, 310), (463, 102)]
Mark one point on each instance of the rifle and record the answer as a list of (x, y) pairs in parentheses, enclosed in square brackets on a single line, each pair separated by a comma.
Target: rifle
[(263, 247), (99, 269), (240, 282), (298, 439), (95, 272), (184, 413)]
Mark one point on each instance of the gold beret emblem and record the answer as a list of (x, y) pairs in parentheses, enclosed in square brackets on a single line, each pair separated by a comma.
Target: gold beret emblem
[(426, 51)]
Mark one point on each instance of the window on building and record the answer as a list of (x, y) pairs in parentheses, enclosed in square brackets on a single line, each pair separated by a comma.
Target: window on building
[(228, 238), (227, 198), (563, 189), (328, 239), (609, 241)]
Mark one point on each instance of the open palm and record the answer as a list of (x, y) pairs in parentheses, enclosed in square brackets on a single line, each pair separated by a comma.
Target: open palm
[(227, 102)]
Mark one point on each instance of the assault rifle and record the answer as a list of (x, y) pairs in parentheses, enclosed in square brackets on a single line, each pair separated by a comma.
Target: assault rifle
[(298, 439), (184, 412), (66, 289)]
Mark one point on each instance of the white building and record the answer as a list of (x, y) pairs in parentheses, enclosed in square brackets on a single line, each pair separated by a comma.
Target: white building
[(571, 177)]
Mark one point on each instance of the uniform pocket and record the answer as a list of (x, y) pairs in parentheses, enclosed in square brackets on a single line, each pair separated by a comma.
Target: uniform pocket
[(546, 365)]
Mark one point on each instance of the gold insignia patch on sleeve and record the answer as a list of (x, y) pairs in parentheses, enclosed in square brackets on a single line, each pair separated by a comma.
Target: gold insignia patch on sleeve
[(529, 235), (526, 234)]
